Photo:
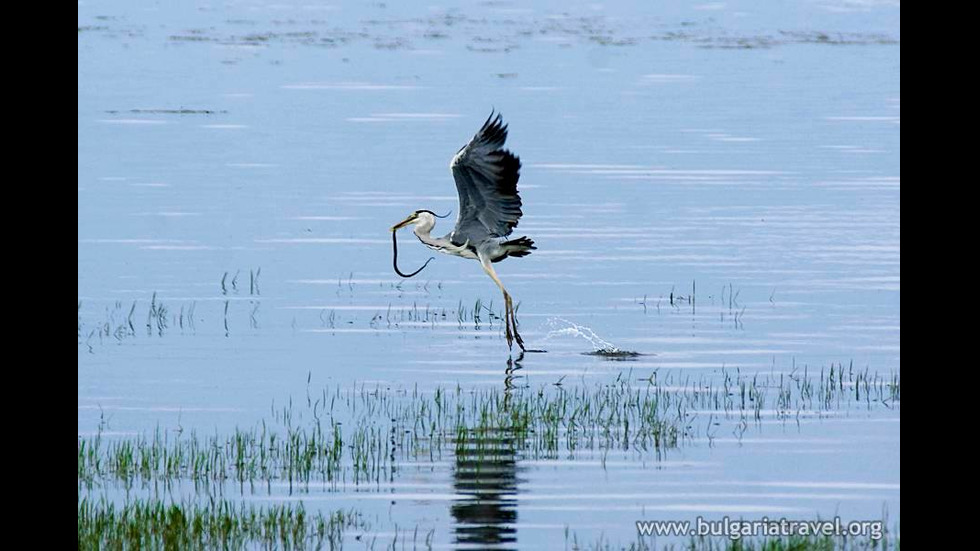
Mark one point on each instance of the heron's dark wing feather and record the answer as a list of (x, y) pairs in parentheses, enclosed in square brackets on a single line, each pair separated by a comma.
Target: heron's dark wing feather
[(486, 179)]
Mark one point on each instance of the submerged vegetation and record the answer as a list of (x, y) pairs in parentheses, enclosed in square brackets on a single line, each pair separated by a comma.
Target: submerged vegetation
[(119, 321), (361, 435), (222, 524)]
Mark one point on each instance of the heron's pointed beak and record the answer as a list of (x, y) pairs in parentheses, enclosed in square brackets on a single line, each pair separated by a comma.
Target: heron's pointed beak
[(404, 222)]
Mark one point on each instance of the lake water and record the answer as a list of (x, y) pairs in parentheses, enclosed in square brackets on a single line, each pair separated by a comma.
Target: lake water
[(714, 186)]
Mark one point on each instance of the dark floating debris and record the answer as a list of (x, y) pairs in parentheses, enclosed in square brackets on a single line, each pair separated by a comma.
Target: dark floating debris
[(168, 111), (614, 354)]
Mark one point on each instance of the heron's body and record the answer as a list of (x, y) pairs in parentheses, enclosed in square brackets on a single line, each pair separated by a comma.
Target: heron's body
[(489, 208), (494, 249)]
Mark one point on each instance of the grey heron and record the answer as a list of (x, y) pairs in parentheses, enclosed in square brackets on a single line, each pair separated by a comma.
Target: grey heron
[(486, 177)]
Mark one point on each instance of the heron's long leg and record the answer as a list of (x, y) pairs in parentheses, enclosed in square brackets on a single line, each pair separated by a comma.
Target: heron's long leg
[(488, 268), (513, 322), (510, 320)]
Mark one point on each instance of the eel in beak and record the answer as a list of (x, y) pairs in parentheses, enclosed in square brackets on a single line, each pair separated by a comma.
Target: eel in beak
[(394, 247)]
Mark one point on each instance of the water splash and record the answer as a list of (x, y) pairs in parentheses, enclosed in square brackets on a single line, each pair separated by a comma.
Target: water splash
[(600, 346), (564, 327)]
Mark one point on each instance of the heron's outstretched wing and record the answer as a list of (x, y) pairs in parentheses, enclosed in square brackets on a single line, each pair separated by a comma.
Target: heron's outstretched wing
[(486, 180)]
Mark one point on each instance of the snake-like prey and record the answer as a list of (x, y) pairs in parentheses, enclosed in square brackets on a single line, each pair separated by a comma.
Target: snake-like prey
[(394, 260)]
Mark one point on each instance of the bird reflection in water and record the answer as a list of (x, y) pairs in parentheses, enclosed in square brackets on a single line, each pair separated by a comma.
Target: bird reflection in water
[(485, 478), (511, 376)]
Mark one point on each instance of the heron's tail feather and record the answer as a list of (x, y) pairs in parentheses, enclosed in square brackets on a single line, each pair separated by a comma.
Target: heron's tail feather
[(521, 246)]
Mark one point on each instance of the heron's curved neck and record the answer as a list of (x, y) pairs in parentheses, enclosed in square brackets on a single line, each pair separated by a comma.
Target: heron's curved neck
[(424, 233)]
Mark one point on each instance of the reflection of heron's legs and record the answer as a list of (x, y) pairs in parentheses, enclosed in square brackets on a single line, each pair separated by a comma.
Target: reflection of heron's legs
[(513, 364), (508, 305)]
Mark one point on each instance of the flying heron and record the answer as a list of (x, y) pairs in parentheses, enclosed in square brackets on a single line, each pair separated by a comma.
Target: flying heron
[(486, 177)]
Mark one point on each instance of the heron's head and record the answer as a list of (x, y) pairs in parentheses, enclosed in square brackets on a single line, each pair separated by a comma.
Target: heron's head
[(423, 218)]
